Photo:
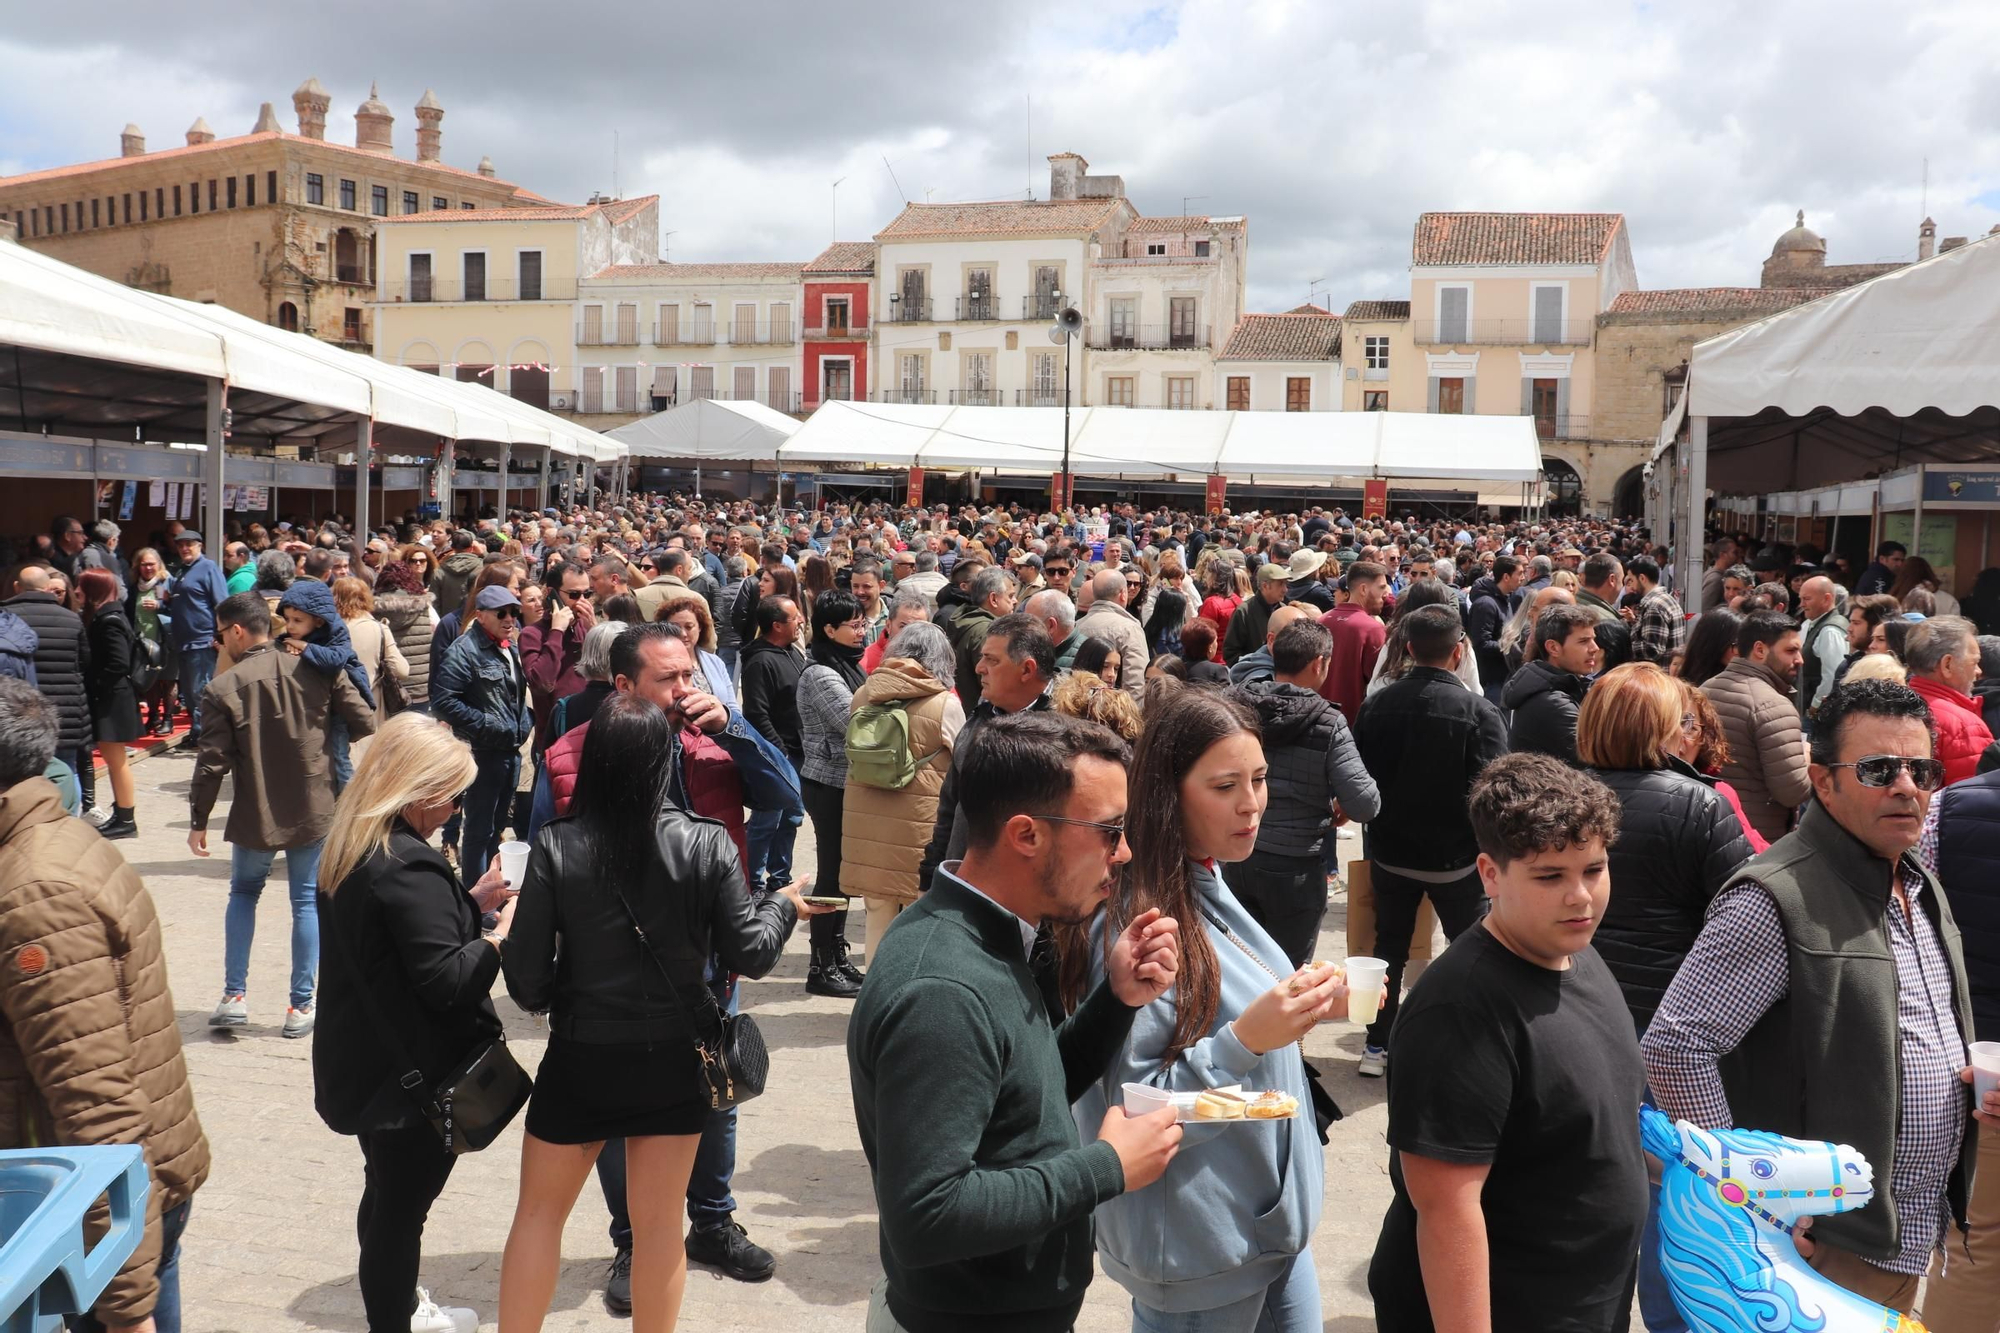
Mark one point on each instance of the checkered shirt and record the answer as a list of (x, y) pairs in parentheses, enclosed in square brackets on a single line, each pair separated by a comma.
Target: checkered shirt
[(1738, 969), (1661, 628)]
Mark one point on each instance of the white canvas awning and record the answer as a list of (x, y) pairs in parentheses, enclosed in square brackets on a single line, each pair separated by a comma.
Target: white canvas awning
[(709, 428), (51, 306), (1156, 443)]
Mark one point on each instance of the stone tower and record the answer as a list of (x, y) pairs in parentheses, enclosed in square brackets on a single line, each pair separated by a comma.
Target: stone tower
[(430, 115), (1926, 239), (131, 143), (311, 102), (199, 132), (374, 125), (267, 121)]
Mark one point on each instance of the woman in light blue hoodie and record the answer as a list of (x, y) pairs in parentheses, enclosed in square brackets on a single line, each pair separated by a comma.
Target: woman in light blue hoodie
[(1223, 1243)]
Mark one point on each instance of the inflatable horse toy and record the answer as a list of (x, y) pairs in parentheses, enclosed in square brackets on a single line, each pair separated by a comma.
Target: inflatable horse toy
[(1728, 1202)]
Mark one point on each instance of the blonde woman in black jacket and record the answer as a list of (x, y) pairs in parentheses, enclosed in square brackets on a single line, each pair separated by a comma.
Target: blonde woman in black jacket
[(624, 1008)]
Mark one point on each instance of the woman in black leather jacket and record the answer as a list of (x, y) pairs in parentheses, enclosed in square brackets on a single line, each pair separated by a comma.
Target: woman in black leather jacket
[(621, 1059), (1678, 842)]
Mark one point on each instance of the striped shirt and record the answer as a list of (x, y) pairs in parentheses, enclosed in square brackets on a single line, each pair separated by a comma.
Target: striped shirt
[(1739, 968)]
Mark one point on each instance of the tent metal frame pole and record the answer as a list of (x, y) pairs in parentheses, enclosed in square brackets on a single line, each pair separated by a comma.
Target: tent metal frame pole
[(212, 465), (364, 452), (506, 462), (1690, 536), (542, 488), (1068, 483)]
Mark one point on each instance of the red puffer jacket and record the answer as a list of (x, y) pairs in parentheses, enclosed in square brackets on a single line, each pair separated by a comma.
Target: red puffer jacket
[(710, 784), (1961, 729)]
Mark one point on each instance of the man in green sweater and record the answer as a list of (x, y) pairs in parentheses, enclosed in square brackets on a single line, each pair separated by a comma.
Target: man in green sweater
[(962, 1085)]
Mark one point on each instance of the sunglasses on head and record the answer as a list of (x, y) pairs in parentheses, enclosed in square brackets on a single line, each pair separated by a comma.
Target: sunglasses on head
[(1879, 770)]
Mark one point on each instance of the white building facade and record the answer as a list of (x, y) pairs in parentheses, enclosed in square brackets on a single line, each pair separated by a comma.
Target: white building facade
[(650, 336)]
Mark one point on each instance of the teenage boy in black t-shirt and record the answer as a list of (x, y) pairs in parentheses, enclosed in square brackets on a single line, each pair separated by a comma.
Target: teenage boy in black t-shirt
[(1514, 1088)]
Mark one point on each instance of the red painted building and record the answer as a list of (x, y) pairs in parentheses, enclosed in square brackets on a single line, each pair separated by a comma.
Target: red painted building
[(838, 323)]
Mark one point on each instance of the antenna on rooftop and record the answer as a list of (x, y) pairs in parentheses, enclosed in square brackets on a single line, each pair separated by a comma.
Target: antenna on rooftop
[(892, 178), (614, 166), (667, 246), (1184, 201), (1030, 140), (836, 208), (1926, 209)]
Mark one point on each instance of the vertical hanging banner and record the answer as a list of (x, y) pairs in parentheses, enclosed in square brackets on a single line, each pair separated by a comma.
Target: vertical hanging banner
[(916, 487), (1062, 487), (1218, 492), (1375, 498)]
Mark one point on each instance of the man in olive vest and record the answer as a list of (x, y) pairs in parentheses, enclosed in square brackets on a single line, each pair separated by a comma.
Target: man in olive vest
[(1826, 998), (1822, 641)]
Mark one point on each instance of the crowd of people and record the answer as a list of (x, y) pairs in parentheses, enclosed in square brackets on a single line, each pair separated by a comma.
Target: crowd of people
[(1089, 775)]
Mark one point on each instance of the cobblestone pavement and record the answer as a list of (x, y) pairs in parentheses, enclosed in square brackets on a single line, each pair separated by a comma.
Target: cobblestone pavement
[(271, 1242)]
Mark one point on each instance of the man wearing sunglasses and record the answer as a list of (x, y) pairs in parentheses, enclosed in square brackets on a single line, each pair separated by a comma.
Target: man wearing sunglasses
[(481, 690), (1826, 998)]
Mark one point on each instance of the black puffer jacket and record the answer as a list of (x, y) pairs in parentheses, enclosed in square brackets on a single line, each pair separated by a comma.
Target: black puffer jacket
[(1313, 762), (1544, 700), (1678, 843), (1490, 610), (62, 660), (600, 987)]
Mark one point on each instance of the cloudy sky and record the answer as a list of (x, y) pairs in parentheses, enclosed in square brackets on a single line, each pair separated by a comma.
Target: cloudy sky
[(1331, 126)]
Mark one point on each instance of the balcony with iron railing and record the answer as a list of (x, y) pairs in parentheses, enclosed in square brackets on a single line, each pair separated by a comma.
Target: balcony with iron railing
[(1038, 398), (978, 307), (684, 334), (354, 275), (1567, 426), (1146, 337), (609, 400), (975, 397), (1045, 305), (906, 396), (853, 330), (438, 290), (758, 333), (607, 335), (1501, 332), (908, 311)]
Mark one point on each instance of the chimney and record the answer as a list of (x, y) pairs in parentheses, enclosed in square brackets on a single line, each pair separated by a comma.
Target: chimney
[(486, 167), (131, 143), (1066, 172), (373, 125), (430, 115), (199, 132), (311, 102), (267, 121), (1951, 243), (1926, 239)]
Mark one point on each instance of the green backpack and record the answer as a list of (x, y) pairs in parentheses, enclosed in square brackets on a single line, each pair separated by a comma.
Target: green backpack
[(878, 746)]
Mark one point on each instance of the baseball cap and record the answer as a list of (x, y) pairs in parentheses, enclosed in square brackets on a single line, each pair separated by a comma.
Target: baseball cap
[(186, 535), (494, 597)]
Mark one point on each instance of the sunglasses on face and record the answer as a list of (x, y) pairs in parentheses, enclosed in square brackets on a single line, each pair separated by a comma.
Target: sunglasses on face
[(1879, 770), (575, 594), (507, 612), (1111, 833)]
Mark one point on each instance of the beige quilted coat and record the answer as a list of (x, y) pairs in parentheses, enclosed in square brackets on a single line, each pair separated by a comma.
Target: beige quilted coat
[(883, 833), (1767, 748), (89, 1053)]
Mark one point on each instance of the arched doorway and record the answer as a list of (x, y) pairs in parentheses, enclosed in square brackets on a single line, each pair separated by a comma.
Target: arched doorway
[(288, 317), (1628, 498), (1564, 488)]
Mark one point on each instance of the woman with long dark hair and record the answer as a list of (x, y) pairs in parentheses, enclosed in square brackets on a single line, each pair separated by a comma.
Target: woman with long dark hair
[(1163, 626), (639, 894), (1225, 1239), (114, 704), (1711, 644), (1394, 661), (826, 698)]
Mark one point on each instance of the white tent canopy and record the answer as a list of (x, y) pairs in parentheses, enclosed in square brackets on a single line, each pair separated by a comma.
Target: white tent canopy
[(1138, 443), (709, 428)]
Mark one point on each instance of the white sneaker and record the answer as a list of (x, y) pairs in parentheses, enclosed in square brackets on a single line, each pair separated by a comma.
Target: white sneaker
[(1374, 1062), (430, 1317)]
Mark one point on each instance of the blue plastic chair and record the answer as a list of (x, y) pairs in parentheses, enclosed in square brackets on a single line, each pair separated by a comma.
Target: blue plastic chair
[(46, 1270)]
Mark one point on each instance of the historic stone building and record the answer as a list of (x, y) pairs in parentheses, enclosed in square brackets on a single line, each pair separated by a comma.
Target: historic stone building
[(279, 226)]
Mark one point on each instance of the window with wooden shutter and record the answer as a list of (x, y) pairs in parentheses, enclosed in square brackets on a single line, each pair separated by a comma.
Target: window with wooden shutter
[(836, 380), (913, 305), (1124, 322), (1548, 316), (1044, 390), (1374, 400), (701, 382), (1118, 390), (593, 326), (475, 276), (1239, 393), (1451, 395), (1454, 305), (743, 383), (910, 378), (704, 324), (1048, 281), (1298, 393), (1180, 322), (1180, 392), (979, 294), (528, 265), (628, 323), (666, 386), (668, 330), (978, 389), (746, 323), (628, 388), (593, 390), (781, 322), (420, 277), (778, 389), (1542, 399)]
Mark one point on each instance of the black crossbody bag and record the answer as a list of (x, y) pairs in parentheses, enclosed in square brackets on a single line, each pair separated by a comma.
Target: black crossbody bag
[(471, 1105), (734, 1063)]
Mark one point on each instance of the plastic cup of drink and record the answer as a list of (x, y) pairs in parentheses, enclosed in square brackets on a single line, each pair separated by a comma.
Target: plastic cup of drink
[(1144, 1099), (1985, 1068), (1366, 981), (513, 863)]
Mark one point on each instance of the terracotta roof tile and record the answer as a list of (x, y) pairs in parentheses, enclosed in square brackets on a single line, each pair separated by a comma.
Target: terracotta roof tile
[(1287, 337), (620, 211), (218, 145), (699, 272), (1309, 309), (1010, 217), (1715, 300), (1359, 310), (1193, 222), (1513, 238), (844, 257)]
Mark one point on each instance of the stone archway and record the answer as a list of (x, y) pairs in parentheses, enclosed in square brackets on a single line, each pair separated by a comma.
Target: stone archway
[(1628, 497), (1563, 487)]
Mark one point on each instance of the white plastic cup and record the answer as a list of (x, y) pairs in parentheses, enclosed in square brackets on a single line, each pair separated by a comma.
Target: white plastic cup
[(1985, 1068), (1144, 1099), (513, 863), (1367, 979)]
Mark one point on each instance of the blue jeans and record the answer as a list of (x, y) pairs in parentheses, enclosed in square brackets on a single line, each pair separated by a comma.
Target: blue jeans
[(248, 869), (772, 834), (1289, 1305), (339, 747), (197, 669), (709, 1202), (167, 1306), (489, 802), (1656, 1302)]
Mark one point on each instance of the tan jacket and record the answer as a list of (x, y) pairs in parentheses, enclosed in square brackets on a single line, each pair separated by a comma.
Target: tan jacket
[(375, 644), (1119, 628), (883, 833), (266, 722), (652, 596), (89, 1051), (1767, 747)]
